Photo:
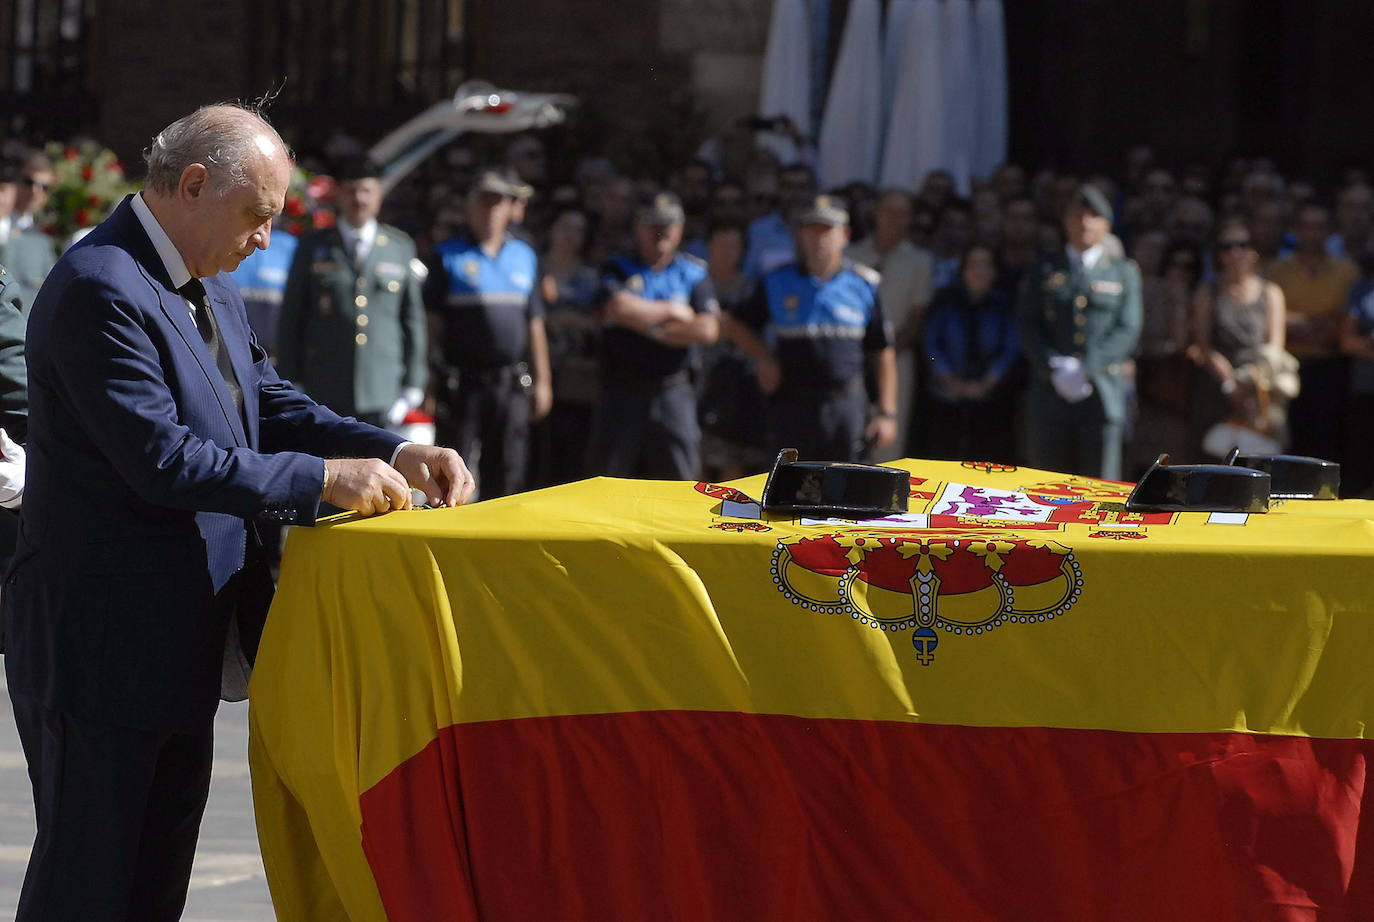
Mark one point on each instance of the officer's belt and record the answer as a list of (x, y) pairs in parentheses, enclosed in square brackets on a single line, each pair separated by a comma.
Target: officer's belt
[(648, 380), (494, 298), (496, 374), (820, 390), (819, 331)]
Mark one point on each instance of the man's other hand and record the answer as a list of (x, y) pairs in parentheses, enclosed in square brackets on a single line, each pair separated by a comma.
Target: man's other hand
[(365, 485), (439, 472)]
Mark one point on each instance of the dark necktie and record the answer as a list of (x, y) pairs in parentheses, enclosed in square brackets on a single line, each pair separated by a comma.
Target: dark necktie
[(194, 292)]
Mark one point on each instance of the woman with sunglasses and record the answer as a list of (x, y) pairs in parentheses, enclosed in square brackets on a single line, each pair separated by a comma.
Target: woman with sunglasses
[(1238, 337)]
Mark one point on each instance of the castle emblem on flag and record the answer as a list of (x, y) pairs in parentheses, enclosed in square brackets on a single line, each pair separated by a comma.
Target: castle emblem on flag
[(966, 585)]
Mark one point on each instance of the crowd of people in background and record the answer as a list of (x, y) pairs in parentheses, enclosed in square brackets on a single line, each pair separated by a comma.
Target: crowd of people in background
[(560, 319)]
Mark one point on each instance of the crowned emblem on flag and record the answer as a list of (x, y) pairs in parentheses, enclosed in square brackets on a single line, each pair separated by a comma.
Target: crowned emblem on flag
[(967, 585)]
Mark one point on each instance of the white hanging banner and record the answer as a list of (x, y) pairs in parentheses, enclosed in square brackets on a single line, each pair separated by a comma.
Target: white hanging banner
[(915, 142), (852, 125)]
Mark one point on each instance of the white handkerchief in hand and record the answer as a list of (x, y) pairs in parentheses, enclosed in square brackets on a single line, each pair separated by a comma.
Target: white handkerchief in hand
[(1070, 378), (11, 472)]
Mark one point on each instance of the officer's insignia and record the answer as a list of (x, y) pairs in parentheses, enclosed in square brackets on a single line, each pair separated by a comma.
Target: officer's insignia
[(960, 585), (790, 303), (635, 283), (381, 240), (471, 269), (1107, 287), (868, 274), (664, 202)]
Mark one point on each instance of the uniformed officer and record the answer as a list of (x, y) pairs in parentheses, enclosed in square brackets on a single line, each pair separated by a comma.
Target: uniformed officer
[(27, 253), (489, 327), (657, 305), (14, 408), (826, 322), (352, 330), (262, 281), (1080, 320)]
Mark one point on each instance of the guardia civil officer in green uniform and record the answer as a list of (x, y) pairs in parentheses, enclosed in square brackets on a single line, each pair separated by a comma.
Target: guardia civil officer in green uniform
[(1080, 320), (14, 408), (27, 255), (352, 328)]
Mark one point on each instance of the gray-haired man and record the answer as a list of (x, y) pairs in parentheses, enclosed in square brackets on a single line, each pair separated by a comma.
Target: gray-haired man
[(160, 440)]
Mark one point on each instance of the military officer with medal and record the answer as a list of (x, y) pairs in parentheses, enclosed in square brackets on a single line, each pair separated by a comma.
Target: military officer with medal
[(1080, 320), (352, 328)]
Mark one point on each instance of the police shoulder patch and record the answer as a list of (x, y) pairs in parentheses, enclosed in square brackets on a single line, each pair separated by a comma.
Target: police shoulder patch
[(868, 274)]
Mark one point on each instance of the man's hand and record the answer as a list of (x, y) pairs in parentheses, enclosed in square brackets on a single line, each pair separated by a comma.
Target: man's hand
[(882, 431), (769, 373), (439, 472), (365, 485), (542, 399)]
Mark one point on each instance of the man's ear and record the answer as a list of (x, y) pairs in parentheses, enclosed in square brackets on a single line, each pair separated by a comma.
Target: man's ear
[(195, 181)]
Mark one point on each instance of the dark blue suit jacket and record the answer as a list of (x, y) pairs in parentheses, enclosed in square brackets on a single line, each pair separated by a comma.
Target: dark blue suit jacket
[(137, 537)]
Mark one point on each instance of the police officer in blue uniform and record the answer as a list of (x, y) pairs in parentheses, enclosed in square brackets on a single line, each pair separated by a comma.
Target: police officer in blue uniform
[(489, 329), (826, 324), (657, 306), (262, 282)]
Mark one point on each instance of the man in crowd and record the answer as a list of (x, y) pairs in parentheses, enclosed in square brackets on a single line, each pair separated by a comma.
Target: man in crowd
[(1354, 224), (658, 305), (489, 328), (1018, 251), (905, 289), (34, 189), (1316, 288), (770, 237), (1080, 321), (352, 329), (162, 442), (26, 252), (825, 315)]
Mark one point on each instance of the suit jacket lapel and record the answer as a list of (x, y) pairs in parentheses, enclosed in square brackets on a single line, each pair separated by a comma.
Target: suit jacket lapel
[(130, 231)]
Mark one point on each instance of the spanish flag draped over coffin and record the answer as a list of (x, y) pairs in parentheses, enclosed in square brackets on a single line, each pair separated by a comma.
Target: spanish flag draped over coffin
[(624, 700)]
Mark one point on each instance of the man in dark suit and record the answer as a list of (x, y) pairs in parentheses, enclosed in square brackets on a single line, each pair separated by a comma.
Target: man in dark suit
[(160, 439)]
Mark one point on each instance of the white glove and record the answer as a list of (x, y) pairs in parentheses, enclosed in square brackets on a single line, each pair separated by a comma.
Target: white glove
[(1070, 378), (410, 398), (11, 472)]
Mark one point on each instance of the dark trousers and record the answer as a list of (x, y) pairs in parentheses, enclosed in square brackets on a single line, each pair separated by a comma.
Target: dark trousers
[(647, 429), (1316, 416), (970, 430), (118, 810), (822, 424), (488, 418), (1071, 438)]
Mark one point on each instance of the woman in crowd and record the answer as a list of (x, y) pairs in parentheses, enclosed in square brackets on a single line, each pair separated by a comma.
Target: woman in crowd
[(567, 287), (1163, 374), (731, 406), (1238, 338), (970, 346)]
